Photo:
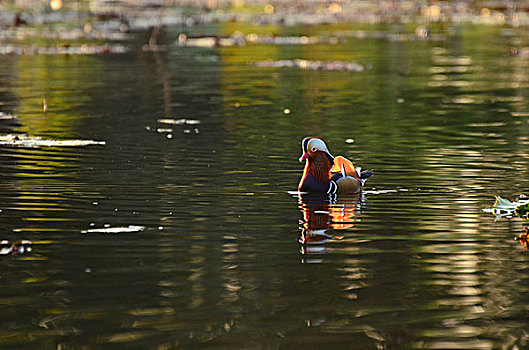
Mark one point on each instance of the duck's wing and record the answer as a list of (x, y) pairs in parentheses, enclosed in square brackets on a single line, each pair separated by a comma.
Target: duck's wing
[(344, 165)]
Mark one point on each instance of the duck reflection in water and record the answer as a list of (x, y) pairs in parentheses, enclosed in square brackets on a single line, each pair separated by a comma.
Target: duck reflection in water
[(322, 216)]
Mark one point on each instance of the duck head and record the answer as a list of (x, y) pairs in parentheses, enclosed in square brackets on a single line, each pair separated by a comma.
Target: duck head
[(318, 164), (312, 147)]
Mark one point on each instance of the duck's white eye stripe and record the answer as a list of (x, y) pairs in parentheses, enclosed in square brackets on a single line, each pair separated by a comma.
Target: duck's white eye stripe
[(317, 145)]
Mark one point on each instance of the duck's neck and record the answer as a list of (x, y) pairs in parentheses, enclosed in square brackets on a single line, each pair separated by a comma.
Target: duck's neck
[(320, 168)]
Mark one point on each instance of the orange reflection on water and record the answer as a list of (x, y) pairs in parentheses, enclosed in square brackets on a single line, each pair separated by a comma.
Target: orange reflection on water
[(523, 238), (321, 216)]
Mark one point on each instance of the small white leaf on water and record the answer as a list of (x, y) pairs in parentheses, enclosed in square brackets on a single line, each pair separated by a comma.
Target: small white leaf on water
[(21, 140), (179, 121), (121, 229), (7, 116), (5, 250), (504, 208)]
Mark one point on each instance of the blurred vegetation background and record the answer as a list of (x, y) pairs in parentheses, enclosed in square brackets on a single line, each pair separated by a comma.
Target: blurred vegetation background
[(288, 12)]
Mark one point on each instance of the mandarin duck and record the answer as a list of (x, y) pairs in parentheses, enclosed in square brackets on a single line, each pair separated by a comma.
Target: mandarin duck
[(327, 174)]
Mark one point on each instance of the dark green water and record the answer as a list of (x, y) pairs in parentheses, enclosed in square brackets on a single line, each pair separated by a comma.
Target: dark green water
[(222, 263)]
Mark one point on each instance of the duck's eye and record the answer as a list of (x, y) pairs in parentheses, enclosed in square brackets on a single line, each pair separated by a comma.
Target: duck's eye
[(313, 149)]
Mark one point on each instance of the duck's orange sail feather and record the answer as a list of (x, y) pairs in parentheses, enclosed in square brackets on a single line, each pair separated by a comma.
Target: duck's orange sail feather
[(348, 166)]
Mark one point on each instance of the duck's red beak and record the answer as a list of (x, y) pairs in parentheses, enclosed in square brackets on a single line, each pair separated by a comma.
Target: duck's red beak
[(303, 157)]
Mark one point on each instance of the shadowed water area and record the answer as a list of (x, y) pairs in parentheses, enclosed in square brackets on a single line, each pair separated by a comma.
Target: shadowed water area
[(229, 257)]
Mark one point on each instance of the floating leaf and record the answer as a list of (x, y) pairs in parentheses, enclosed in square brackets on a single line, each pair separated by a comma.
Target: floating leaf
[(179, 121), (505, 208), (122, 229), (523, 211), (21, 140), (15, 248), (7, 116)]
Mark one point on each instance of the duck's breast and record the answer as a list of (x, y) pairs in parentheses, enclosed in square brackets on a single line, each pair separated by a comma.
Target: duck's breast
[(310, 184)]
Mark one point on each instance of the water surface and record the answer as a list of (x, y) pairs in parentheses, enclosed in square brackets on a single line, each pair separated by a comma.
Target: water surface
[(229, 258)]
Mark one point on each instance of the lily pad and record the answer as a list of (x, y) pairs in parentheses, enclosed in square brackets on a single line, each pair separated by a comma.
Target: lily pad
[(20, 140)]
